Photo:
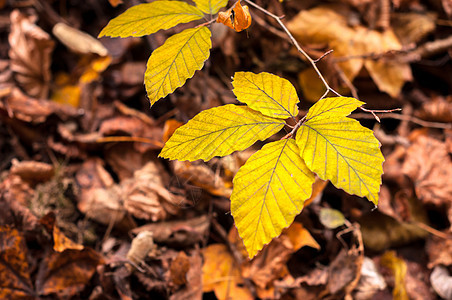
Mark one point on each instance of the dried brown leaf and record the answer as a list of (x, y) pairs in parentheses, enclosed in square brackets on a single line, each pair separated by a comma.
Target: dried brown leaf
[(30, 55)]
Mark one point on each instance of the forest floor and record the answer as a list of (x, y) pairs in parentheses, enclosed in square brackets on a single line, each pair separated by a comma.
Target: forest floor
[(89, 211)]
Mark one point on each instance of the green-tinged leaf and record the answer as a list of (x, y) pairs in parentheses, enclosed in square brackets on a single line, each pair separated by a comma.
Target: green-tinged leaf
[(210, 6), (273, 96), (269, 191), (331, 218), (147, 18), (175, 61), (339, 149), (219, 131)]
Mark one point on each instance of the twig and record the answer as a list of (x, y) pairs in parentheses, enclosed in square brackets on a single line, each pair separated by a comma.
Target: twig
[(295, 43), (407, 118), (323, 55)]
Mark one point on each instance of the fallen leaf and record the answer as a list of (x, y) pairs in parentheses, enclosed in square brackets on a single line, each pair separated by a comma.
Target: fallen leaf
[(78, 41), (324, 25), (441, 281), (270, 263), (439, 251), (429, 166), (179, 268), (32, 171), (221, 274), (202, 176), (15, 281), (141, 245), (237, 17), (62, 243), (398, 268), (67, 273), (370, 281), (331, 218), (30, 55), (193, 287)]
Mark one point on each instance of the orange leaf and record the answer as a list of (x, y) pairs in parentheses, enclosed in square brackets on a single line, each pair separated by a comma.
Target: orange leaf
[(237, 17)]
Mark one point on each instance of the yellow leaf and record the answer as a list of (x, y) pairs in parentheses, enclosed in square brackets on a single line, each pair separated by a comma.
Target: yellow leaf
[(219, 131), (210, 6), (273, 96), (339, 149), (147, 18), (398, 267), (221, 274), (175, 61), (269, 191)]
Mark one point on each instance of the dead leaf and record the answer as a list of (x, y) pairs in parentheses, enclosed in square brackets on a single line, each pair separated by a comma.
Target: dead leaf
[(67, 273), (15, 282), (429, 166), (323, 25), (411, 27), (221, 274), (441, 281), (398, 268), (30, 55), (237, 17), (179, 268), (146, 197), (99, 198), (370, 282), (141, 245), (115, 3), (201, 176), (32, 171), (170, 126), (439, 251), (439, 109), (62, 243), (181, 233), (78, 41), (270, 264), (193, 287)]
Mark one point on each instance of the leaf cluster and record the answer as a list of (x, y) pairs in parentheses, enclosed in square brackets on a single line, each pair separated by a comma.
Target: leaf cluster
[(271, 187)]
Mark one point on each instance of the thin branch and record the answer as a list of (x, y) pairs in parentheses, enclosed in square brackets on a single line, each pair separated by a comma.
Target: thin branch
[(295, 43), (407, 118)]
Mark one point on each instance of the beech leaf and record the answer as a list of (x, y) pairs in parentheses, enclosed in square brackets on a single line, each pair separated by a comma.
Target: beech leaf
[(147, 18), (176, 61), (273, 96), (269, 191), (210, 6), (339, 149), (219, 131)]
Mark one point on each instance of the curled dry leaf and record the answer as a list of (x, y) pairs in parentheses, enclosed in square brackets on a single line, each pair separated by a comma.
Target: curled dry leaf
[(441, 281), (179, 268), (439, 251), (429, 165), (270, 263), (323, 25), (398, 268), (178, 233), (30, 55), (370, 281), (237, 17), (142, 244), (15, 282), (201, 176), (32, 171), (78, 41), (67, 273), (221, 274)]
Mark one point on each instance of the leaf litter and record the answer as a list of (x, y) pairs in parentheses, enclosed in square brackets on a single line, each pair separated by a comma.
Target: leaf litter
[(69, 150)]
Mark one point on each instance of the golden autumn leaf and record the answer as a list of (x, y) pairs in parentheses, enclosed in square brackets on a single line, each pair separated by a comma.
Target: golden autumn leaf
[(339, 149), (221, 274), (210, 6), (237, 17), (269, 191), (219, 131), (176, 61), (147, 18), (269, 94)]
